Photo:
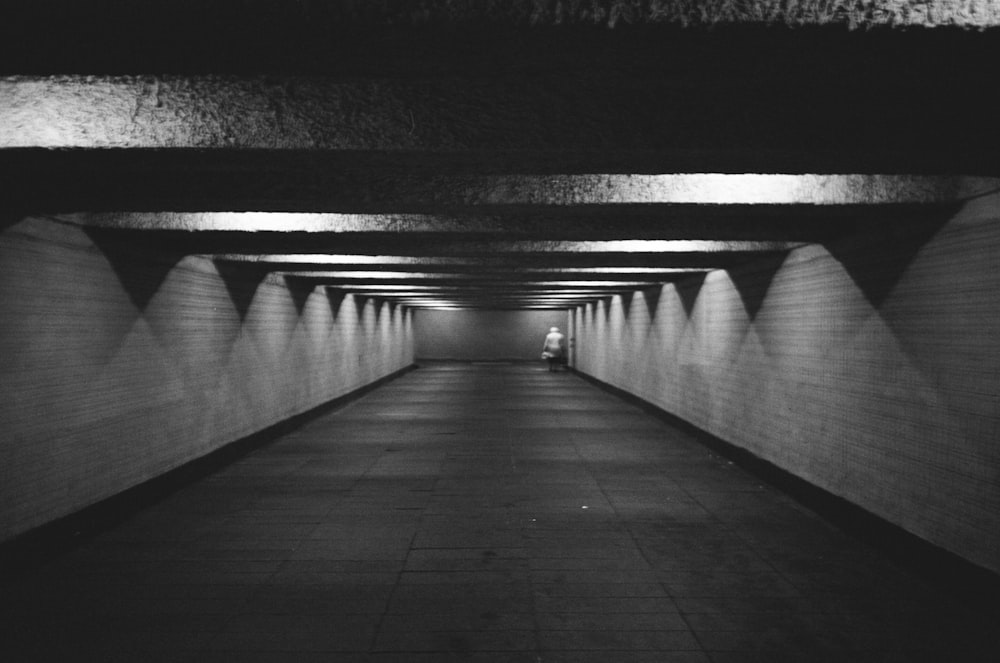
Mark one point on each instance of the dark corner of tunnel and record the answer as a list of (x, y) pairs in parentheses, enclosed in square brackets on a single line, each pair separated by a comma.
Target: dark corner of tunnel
[(688, 290), (627, 299), (241, 281), (299, 289), (335, 296), (10, 217), (651, 296), (753, 279), (876, 258), (140, 264)]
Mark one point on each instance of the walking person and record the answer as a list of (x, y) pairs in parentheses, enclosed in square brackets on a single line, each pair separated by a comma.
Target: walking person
[(554, 349)]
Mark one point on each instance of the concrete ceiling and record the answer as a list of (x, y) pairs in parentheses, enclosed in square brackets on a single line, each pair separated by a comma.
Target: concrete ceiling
[(495, 154)]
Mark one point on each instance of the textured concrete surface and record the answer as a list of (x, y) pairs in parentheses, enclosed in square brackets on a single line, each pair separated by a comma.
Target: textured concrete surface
[(119, 362), (867, 366), (484, 513), (588, 13)]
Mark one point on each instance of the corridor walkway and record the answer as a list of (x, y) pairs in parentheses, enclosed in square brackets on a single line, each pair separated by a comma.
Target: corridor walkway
[(481, 513)]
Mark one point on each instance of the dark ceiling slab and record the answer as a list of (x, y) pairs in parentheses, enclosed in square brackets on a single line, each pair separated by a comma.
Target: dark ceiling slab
[(462, 133), (510, 277), (400, 37), (323, 233), (181, 180), (747, 107), (577, 109), (214, 243), (551, 260)]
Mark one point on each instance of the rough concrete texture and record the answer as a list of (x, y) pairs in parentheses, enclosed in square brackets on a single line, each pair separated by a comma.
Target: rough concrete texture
[(640, 112), (261, 112), (867, 367), (610, 13), (440, 519), (323, 233), (120, 365), (314, 113)]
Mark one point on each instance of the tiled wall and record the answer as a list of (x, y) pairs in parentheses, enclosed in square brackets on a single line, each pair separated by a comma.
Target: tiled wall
[(118, 362), (869, 367)]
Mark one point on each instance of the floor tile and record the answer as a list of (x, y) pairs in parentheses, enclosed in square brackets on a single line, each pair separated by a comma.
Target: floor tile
[(495, 513)]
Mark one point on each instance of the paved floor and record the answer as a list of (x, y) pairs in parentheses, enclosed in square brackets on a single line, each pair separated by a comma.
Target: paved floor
[(483, 513)]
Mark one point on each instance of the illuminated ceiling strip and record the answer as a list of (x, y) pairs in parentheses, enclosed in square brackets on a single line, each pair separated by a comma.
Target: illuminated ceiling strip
[(640, 246), (402, 297), (283, 261), (392, 288), (621, 270), (495, 299), (491, 247), (487, 295), (539, 274), (555, 190), (338, 259), (548, 283), (503, 308), (509, 300), (423, 261), (732, 189), (500, 304), (487, 308), (432, 276), (488, 302), (413, 296), (91, 111)]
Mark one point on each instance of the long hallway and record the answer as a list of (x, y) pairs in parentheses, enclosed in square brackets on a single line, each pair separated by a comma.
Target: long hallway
[(484, 512)]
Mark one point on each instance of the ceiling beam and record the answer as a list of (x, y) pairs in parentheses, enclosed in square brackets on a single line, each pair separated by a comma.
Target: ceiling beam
[(580, 110), (399, 38), (262, 244), (513, 273), (399, 195), (491, 284), (401, 186), (486, 278), (533, 261), (470, 267), (732, 221), (481, 289), (276, 18), (386, 144)]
